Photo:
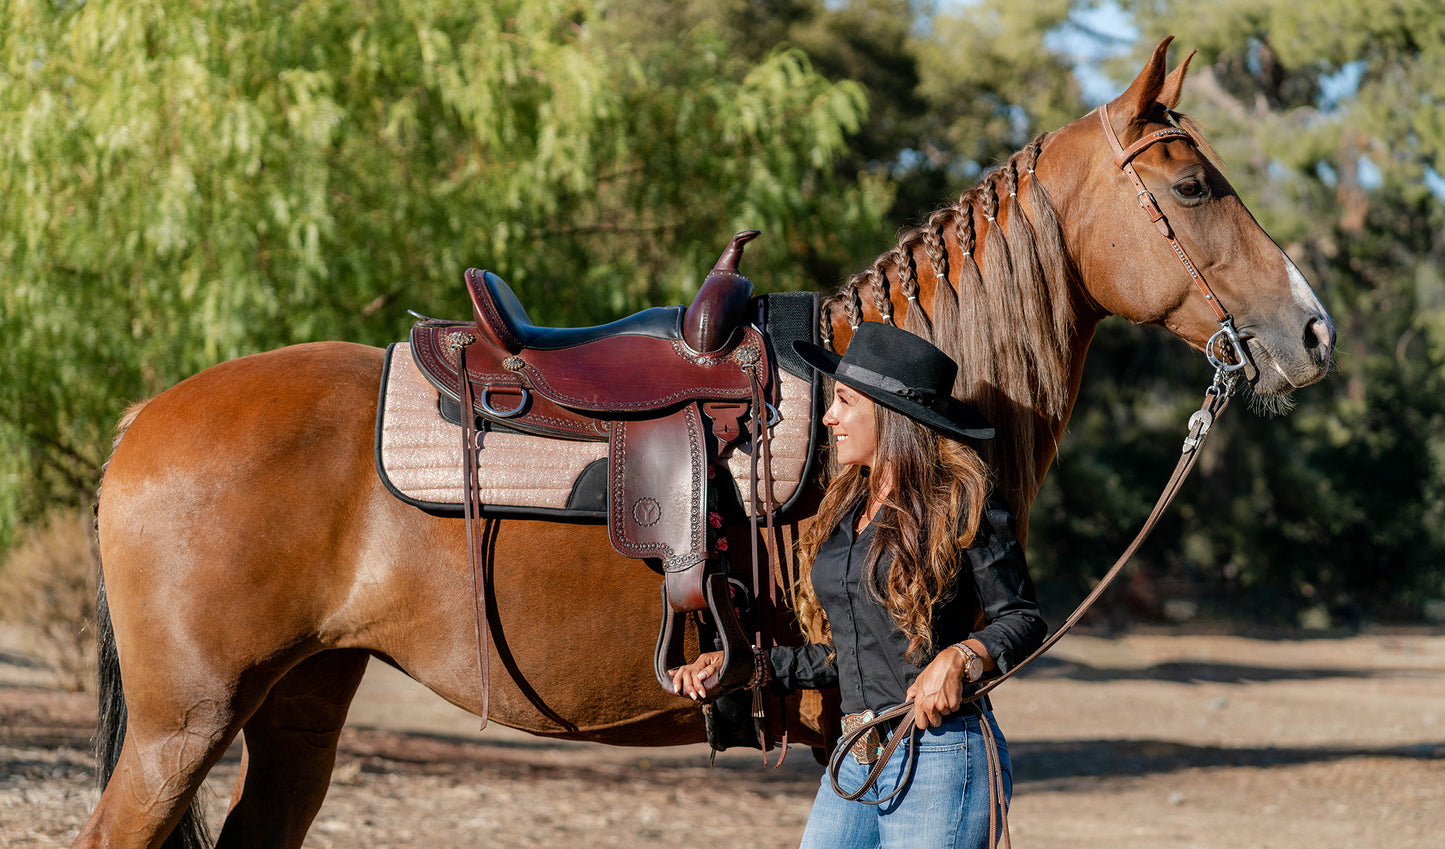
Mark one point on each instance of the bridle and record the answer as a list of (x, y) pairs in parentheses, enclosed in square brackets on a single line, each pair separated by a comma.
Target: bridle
[(1226, 353), (1214, 350)]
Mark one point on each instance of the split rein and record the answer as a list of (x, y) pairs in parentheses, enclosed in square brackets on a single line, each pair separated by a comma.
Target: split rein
[(1225, 352)]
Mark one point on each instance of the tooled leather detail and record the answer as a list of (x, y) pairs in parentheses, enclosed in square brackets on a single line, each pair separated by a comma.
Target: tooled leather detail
[(435, 356), (538, 381), (646, 511), (494, 319), (697, 534), (746, 354), (621, 511), (460, 339), (685, 353)]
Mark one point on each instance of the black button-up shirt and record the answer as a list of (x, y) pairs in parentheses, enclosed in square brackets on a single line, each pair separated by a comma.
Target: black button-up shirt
[(870, 668)]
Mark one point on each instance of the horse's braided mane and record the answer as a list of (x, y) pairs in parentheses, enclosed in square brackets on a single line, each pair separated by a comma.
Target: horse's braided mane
[(1007, 323)]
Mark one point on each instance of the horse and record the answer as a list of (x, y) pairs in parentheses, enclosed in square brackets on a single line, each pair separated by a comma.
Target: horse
[(253, 563)]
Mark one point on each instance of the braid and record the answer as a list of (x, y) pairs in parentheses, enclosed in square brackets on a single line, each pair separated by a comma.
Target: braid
[(1029, 281), (825, 319), (853, 305), (878, 279), (933, 243), (944, 309), (915, 320)]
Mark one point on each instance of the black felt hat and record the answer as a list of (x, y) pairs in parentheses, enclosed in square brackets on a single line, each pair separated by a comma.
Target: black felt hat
[(903, 372)]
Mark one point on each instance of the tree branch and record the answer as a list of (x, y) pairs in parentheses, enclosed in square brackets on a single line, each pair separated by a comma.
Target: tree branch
[(84, 480)]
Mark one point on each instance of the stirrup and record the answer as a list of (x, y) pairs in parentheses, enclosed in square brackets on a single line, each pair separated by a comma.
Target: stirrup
[(737, 665)]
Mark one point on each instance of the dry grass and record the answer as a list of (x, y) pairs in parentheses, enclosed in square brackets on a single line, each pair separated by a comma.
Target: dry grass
[(47, 587)]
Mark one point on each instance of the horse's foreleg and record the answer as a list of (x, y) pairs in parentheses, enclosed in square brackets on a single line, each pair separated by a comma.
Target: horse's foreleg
[(290, 751)]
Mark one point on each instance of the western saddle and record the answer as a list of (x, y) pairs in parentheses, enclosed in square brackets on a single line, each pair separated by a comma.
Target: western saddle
[(672, 390)]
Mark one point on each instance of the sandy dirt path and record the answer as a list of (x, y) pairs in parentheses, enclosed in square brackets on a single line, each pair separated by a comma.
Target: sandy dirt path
[(1155, 741)]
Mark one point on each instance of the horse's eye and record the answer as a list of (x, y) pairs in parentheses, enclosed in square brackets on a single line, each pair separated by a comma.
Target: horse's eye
[(1191, 189)]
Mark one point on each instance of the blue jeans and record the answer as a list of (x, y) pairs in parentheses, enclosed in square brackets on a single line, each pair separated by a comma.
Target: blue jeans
[(944, 806)]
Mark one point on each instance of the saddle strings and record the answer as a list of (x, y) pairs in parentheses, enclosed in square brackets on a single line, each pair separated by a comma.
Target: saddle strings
[(761, 437), (471, 510)]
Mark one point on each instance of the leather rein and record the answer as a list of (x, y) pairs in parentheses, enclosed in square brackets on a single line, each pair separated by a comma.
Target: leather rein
[(1225, 352)]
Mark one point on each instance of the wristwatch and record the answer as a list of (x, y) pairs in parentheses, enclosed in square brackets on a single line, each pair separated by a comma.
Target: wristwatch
[(972, 663)]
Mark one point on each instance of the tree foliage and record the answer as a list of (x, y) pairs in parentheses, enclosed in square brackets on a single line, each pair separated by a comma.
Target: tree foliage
[(188, 183)]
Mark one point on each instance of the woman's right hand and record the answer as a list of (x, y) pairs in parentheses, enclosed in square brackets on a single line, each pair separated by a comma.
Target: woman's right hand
[(687, 680)]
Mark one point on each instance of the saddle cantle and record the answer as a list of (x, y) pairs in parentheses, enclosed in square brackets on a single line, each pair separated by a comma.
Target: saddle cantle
[(671, 390)]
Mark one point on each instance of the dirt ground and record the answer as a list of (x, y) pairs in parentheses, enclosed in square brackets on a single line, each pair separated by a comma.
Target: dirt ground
[(1152, 740)]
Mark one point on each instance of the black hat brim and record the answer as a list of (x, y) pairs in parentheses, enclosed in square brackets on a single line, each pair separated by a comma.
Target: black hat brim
[(957, 419)]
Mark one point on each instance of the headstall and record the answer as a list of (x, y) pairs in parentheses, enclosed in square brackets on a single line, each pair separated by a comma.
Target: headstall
[(1225, 360)]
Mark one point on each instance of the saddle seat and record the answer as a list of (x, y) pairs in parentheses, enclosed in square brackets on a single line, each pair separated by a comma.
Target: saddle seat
[(707, 326), (645, 364), (499, 311)]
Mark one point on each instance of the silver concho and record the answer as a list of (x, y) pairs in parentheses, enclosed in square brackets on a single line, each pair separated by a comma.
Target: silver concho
[(460, 339)]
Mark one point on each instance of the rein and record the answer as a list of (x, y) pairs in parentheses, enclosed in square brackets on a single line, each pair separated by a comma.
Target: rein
[(1225, 352)]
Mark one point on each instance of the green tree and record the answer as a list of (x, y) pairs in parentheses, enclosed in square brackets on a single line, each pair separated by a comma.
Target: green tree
[(189, 183), (952, 88)]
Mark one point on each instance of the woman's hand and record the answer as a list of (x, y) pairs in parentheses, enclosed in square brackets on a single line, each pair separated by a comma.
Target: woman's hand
[(687, 680), (938, 690)]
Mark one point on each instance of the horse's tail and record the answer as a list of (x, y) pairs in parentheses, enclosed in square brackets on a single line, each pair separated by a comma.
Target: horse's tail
[(110, 727), (190, 832)]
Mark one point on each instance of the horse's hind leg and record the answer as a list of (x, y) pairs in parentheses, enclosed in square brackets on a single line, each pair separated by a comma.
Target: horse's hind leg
[(290, 750), (174, 734)]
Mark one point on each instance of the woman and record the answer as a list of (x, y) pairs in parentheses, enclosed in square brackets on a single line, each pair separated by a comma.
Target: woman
[(916, 588)]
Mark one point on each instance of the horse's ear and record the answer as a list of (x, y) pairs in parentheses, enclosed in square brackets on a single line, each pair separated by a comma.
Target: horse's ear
[(1169, 95), (1143, 93)]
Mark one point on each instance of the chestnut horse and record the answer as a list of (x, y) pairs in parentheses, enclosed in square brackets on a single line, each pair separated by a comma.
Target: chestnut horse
[(254, 563)]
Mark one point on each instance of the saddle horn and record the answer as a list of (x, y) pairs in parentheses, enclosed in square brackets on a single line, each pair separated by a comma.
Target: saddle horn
[(721, 304)]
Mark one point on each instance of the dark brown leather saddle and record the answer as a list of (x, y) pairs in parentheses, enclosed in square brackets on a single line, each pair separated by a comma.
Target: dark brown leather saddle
[(671, 390)]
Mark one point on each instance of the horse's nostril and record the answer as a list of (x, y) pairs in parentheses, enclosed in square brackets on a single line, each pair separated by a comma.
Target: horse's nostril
[(1320, 335)]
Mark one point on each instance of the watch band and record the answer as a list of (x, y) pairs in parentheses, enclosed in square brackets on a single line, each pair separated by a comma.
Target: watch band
[(972, 663)]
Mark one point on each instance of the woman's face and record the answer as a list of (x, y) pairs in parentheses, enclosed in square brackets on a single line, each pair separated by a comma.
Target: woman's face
[(855, 428)]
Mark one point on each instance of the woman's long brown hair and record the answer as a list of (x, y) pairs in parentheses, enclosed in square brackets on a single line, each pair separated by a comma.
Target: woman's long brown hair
[(935, 491)]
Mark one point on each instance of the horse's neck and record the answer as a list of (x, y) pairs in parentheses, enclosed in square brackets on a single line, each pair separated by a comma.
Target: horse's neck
[(1021, 360)]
